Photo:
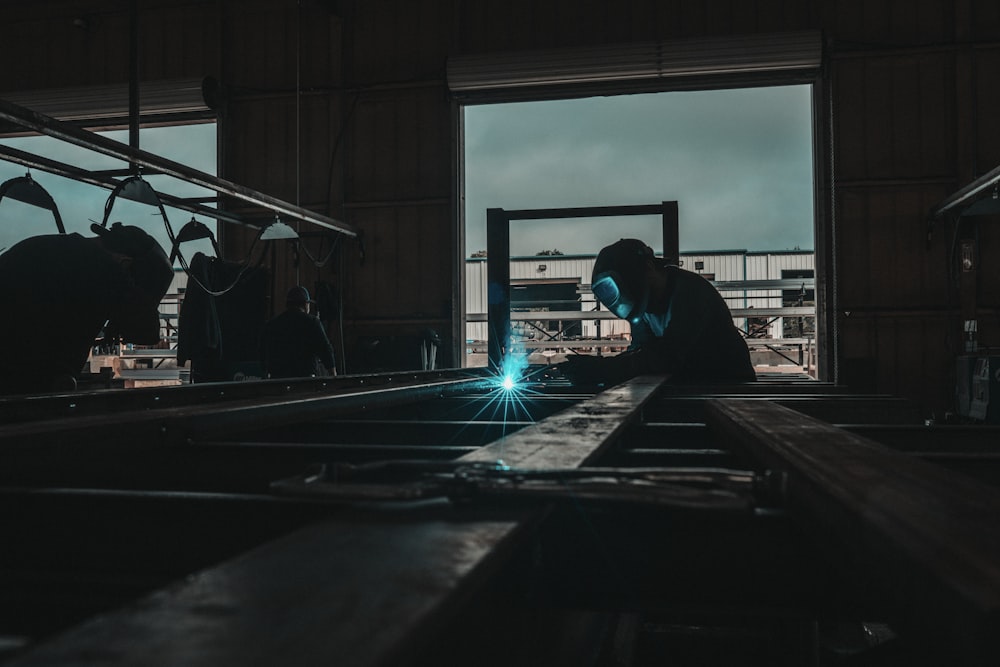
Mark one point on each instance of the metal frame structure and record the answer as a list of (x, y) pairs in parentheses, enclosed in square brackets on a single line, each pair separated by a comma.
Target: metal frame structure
[(429, 518), (498, 258)]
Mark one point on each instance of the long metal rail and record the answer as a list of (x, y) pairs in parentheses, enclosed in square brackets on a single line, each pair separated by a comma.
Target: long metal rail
[(925, 535), (33, 161), (135, 156)]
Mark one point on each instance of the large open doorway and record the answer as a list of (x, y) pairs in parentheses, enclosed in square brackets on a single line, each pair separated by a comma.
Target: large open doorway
[(68, 175), (739, 162)]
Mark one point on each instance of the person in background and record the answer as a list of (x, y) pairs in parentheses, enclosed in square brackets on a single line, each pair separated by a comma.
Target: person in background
[(681, 326), (294, 343), (60, 290)]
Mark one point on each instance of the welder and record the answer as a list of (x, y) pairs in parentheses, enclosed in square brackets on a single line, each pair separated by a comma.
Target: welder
[(60, 291), (681, 326), (294, 342)]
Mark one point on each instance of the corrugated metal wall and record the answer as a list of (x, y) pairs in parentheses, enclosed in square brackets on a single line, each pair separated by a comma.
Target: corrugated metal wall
[(720, 266), (344, 106)]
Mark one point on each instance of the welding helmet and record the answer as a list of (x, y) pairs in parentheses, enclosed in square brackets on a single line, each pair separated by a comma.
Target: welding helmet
[(619, 278)]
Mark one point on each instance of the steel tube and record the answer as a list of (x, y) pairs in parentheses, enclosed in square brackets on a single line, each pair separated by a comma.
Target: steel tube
[(95, 142), (33, 161), (584, 212)]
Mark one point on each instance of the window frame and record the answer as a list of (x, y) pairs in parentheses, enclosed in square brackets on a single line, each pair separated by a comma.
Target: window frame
[(709, 64)]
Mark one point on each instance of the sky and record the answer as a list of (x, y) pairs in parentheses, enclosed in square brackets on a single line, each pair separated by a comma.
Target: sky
[(81, 204), (738, 162)]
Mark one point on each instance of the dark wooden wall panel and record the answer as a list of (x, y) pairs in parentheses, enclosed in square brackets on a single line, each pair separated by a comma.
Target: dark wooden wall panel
[(397, 43), (401, 279), (906, 96), (985, 20), (906, 342), (177, 41), (886, 258), (893, 117), (987, 129), (848, 118), (894, 355), (855, 253), (87, 43), (400, 146), (373, 149), (261, 69), (890, 22)]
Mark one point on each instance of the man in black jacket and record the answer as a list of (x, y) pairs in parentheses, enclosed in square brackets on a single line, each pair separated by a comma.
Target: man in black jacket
[(681, 326), (294, 343), (59, 290)]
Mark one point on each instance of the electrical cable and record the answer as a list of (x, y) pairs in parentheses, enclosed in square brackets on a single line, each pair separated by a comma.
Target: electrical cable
[(298, 122)]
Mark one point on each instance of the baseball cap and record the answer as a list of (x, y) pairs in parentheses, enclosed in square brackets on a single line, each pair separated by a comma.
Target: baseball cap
[(298, 294)]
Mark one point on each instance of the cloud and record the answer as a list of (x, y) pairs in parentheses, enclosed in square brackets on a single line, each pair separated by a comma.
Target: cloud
[(739, 163)]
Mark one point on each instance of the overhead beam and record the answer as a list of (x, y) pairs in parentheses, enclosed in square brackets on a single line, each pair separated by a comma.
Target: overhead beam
[(33, 161), (71, 134)]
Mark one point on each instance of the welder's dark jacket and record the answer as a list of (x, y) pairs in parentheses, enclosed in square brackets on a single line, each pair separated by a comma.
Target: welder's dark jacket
[(292, 343), (56, 293), (690, 336)]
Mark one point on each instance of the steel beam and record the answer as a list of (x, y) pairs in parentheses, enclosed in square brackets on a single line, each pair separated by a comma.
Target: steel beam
[(17, 409), (577, 435), (180, 425), (64, 170), (871, 409), (356, 591), (100, 144), (928, 538)]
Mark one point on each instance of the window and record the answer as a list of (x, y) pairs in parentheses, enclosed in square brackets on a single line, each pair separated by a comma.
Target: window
[(80, 204)]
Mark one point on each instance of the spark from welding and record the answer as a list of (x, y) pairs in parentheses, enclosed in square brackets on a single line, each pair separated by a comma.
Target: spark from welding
[(512, 393), (508, 399)]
